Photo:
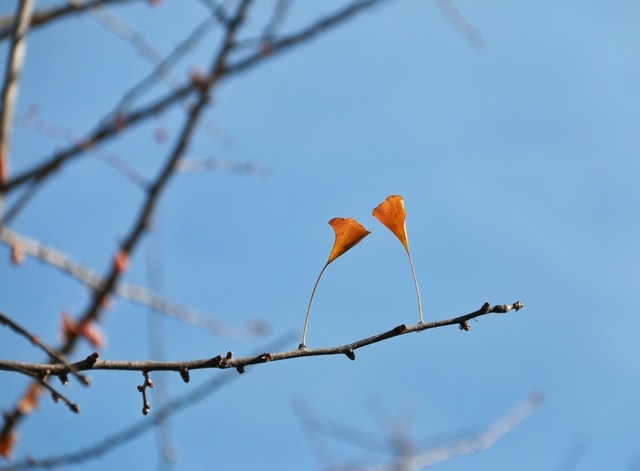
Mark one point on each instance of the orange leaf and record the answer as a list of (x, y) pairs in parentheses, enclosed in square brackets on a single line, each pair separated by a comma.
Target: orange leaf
[(92, 333), (392, 214), (29, 401), (348, 233), (8, 441), (17, 254), (69, 326), (89, 331), (121, 261)]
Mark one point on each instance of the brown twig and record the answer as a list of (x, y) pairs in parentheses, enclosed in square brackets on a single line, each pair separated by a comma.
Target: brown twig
[(228, 361), (5, 320)]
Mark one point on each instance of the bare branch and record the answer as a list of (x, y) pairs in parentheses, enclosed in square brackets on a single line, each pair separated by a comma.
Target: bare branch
[(486, 439), (41, 18), (282, 44), (227, 360), (154, 191), (134, 293)]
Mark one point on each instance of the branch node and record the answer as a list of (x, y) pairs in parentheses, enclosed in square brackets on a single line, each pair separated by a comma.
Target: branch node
[(486, 307), (265, 357), (228, 356), (302, 346), (64, 378), (92, 359), (465, 326), (216, 361), (350, 354), (401, 328), (184, 374), (240, 369)]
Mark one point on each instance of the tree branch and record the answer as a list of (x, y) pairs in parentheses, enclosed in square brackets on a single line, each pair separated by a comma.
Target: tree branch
[(154, 191), (11, 81), (41, 18), (227, 360), (131, 292)]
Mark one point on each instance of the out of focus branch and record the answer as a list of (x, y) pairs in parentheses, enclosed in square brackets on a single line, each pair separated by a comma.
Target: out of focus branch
[(11, 81), (137, 294), (279, 45), (486, 439), (154, 190), (43, 17)]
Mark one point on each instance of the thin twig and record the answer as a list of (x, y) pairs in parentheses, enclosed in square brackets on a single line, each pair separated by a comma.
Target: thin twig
[(5, 320), (44, 17), (282, 44), (227, 360), (55, 394)]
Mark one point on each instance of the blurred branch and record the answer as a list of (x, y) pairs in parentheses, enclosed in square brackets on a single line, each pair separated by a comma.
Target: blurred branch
[(103, 132), (189, 165), (279, 45), (11, 81), (123, 121), (486, 439), (155, 189), (41, 18), (457, 18), (163, 65), (227, 360), (131, 292)]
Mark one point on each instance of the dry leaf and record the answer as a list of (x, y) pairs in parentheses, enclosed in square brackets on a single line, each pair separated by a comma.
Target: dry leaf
[(8, 442), (348, 233), (121, 261), (88, 330), (29, 401), (17, 254), (392, 214)]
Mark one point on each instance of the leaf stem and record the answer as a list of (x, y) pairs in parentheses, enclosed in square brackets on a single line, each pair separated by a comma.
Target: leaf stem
[(303, 344), (415, 281)]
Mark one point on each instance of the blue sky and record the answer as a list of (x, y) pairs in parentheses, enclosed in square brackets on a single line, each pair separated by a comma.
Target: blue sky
[(518, 165)]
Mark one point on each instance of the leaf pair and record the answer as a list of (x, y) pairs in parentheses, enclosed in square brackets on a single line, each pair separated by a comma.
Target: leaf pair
[(349, 232)]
